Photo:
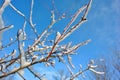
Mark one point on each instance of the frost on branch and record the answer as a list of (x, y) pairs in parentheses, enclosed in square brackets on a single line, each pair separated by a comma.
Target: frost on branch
[(97, 72), (57, 36), (2, 26), (92, 67), (40, 49)]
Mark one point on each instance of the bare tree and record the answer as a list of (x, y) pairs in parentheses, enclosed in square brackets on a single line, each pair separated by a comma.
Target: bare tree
[(61, 75), (110, 65), (40, 50)]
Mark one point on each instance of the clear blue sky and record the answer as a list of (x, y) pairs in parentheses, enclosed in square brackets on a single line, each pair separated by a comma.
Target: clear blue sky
[(102, 27)]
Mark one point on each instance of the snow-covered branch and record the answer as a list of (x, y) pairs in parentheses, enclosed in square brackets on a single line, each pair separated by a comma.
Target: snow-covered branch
[(40, 49)]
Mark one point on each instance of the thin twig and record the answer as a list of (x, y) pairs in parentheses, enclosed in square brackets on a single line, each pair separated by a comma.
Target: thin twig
[(70, 31), (78, 73), (20, 13)]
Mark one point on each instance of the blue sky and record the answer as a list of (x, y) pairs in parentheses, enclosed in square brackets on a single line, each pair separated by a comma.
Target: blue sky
[(102, 27)]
